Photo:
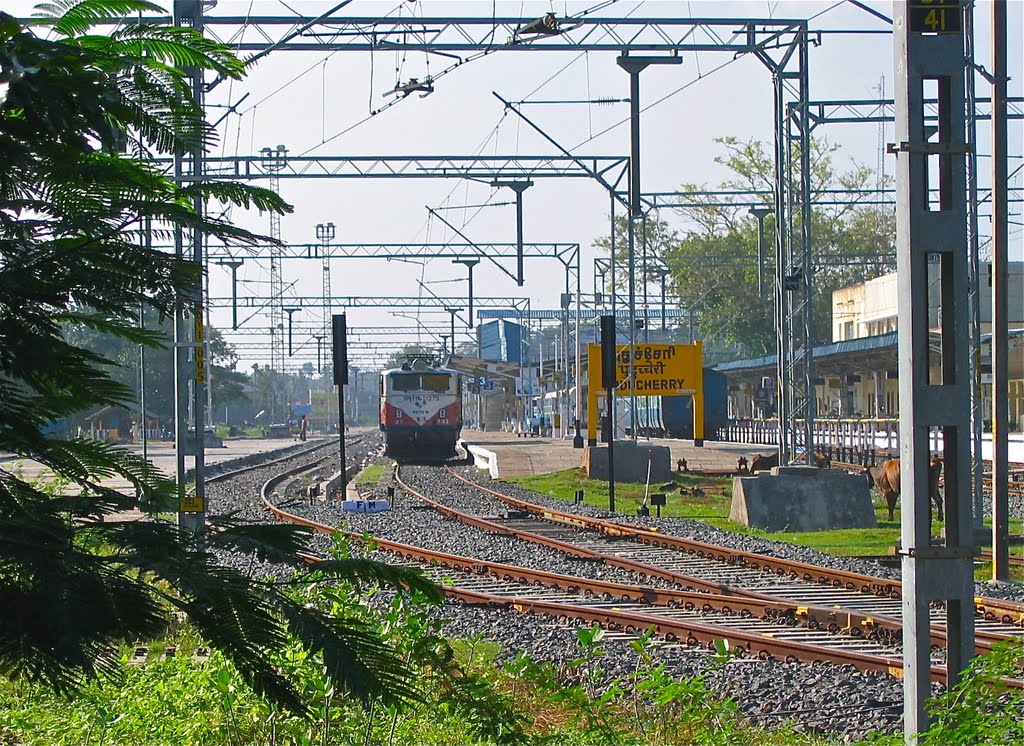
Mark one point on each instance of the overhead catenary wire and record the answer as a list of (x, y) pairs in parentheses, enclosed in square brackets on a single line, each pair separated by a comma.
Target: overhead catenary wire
[(685, 86), (459, 63), (529, 95)]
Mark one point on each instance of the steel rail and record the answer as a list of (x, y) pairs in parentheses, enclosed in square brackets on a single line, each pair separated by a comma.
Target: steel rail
[(822, 615), (986, 555), (225, 475), (995, 610), (762, 645), (810, 573)]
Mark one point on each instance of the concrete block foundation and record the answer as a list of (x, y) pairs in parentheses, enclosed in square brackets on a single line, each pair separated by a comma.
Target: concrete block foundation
[(802, 498), (631, 459), (210, 440)]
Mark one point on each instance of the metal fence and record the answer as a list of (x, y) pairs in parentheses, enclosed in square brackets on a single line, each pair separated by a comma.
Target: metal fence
[(854, 441)]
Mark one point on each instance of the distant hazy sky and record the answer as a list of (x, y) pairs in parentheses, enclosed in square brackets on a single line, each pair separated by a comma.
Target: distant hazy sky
[(306, 101)]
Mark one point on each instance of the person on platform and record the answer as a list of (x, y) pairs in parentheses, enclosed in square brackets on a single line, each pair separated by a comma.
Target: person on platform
[(302, 428)]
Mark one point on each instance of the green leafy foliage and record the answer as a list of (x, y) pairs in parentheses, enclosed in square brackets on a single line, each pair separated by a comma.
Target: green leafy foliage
[(714, 262), (74, 266), (981, 709)]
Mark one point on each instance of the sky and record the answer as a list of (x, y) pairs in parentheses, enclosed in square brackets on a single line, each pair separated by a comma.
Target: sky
[(318, 103)]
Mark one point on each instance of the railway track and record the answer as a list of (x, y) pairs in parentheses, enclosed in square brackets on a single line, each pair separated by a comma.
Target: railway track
[(759, 627), (734, 572), (865, 603), (986, 556), (223, 476)]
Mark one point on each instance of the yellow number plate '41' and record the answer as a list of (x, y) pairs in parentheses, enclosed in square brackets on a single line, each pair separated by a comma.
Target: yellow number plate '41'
[(935, 17)]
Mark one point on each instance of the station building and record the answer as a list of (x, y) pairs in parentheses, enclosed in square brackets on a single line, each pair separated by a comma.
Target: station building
[(856, 374)]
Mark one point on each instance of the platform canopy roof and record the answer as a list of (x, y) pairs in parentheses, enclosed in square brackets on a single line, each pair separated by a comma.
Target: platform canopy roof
[(480, 368), (851, 356)]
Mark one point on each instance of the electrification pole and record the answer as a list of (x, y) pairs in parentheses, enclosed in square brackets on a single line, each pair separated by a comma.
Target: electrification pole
[(290, 312), (325, 234), (1000, 306), (191, 508), (234, 264), (931, 246), (453, 312), (518, 187), (760, 213), (634, 65), (470, 263)]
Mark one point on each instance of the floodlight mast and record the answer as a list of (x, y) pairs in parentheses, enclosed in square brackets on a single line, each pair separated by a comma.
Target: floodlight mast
[(273, 161)]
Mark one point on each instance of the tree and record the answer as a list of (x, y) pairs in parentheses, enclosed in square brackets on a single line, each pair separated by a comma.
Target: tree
[(228, 386), (652, 242), (71, 209), (716, 260), (713, 265), (395, 359)]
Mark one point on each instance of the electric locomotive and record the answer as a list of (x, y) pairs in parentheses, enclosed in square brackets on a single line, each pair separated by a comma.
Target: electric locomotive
[(420, 411)]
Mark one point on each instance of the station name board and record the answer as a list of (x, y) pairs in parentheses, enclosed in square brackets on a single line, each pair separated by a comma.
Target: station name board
[(660, 369)]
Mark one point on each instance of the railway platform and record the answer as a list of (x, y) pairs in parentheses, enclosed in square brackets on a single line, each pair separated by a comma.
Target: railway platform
[(516, 456), (162, 455)]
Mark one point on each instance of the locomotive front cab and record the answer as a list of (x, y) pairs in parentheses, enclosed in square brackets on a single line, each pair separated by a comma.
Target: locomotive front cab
[(421, 411)]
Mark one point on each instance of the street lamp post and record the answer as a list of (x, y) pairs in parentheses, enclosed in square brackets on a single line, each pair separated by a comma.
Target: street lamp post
[(453, 312), (290, 311), (760, 213), (470, 263)]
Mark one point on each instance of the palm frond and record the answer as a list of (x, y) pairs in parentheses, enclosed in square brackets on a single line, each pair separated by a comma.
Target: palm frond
[(127, 330), (267, 542), (73, 17), (243, 195), (177, 46), (355, 657), (358, 570)]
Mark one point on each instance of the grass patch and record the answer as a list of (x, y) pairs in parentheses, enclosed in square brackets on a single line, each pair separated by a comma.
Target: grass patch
[(707, 499), (983, 570), (371, 474)]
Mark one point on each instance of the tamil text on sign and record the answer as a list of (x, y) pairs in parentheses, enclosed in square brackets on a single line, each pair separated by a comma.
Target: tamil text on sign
[(660, 369)]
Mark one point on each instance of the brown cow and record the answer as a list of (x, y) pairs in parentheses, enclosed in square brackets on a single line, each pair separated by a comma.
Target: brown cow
[(886, 479), (764, 463)]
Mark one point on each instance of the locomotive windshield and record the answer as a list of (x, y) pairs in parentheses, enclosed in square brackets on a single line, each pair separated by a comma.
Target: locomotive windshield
[(437, 382)]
